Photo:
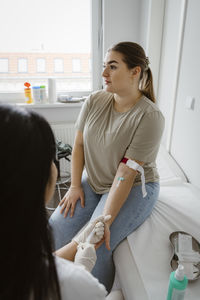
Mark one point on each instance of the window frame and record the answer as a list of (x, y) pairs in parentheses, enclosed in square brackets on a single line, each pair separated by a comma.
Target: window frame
[(96, 58), (56, 62), (74, 65), (6, 59), (37, 61), (18, 65)]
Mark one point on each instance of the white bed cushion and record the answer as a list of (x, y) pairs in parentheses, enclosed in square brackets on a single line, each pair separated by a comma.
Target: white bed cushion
[(143, 262), (143, 259)]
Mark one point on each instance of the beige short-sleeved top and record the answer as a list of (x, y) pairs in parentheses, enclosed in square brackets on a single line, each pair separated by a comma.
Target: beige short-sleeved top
[(109, 135)]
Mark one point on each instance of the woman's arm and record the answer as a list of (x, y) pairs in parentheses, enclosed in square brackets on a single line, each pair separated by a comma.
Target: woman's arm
[(68, 251), (118, 194), (77, 162), (75, 191)]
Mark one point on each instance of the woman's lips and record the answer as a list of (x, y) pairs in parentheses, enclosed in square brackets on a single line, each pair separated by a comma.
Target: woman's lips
[(107, 82)]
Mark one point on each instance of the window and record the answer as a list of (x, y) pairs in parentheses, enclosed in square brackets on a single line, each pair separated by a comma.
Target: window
[(90, 64), (22, 65), (3, 65), (58, 65), (41, 65), (76, 65), (35, 51)]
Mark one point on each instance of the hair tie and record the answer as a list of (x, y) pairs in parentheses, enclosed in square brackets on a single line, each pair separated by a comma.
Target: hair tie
[(146, 63)]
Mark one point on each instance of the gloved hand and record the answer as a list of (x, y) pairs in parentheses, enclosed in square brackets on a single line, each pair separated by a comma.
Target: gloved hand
[(94, 231), (86, 255)]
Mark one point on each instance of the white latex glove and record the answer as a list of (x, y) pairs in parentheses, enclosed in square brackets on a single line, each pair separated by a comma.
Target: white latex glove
[(94, 231), (86, 255)]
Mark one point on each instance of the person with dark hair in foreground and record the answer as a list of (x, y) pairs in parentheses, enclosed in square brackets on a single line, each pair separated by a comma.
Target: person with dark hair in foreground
[(29, 270)]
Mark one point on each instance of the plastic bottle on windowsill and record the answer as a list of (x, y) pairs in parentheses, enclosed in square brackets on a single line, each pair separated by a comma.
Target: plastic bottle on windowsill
[(43, 95), (27, 93), (36, 94)]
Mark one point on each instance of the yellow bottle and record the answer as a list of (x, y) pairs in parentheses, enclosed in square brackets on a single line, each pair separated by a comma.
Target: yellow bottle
[(27, 92)]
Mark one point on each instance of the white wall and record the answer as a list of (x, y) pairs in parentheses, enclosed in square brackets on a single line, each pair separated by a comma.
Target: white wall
[(153, 36), (121, 22), (144, 22), (139, 21), (179, 79), (185, 146), (170, 62)]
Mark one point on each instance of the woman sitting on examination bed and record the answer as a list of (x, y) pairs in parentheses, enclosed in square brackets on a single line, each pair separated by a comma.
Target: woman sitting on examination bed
[(27, 180), (120, 123)]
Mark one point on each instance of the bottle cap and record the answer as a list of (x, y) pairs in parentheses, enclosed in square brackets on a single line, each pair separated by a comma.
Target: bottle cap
[(35, 87), (42, 86), (179, 273), (27, 84)]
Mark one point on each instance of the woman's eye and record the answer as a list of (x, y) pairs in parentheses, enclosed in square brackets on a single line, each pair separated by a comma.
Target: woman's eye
[(112, 67)]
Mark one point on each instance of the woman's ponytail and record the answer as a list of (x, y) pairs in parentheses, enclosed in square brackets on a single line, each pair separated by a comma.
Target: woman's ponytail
[(146, 85)]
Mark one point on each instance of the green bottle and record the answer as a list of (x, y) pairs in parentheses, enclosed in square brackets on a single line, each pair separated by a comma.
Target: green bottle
[(177, 284)]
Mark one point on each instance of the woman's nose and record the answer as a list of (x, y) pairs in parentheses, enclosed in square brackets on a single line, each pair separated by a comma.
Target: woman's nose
[(105, 73)]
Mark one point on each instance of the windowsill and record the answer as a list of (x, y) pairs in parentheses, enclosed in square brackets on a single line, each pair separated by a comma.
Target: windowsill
[(57, 112), (50, 105)]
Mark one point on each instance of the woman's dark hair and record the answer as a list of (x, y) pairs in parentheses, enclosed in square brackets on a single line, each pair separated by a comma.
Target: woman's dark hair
[(133, 56), (26, 154)]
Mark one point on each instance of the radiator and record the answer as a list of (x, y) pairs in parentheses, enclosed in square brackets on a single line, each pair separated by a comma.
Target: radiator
[(64, 132)]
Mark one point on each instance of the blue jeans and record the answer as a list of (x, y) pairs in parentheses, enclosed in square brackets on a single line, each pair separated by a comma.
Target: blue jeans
[(134, 212)]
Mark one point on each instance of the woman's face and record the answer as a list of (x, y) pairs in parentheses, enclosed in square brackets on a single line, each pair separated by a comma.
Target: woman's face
[(50, 188), (117, 77)]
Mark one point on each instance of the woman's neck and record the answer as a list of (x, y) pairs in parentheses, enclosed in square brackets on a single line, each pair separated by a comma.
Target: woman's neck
[(126, 102)]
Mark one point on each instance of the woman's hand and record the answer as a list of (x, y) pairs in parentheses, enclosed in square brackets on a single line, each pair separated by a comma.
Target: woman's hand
[(70, 199), (106, 238), (96, 232)]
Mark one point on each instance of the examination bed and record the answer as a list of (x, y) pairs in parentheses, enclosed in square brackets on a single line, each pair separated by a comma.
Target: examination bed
[(143, 259)]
